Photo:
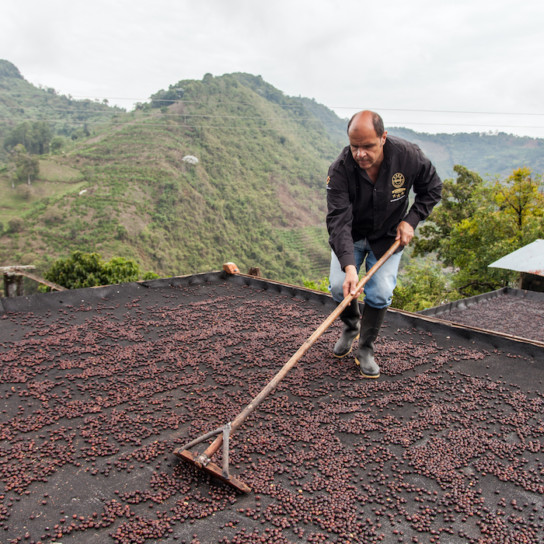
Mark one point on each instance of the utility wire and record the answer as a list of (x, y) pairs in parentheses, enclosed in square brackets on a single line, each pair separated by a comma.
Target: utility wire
[(391, 125), (457, 112), (216, 116), (89, 114), (99, 101)]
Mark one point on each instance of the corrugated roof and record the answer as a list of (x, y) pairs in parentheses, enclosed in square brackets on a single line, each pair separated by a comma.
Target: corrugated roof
[(528, 259), (99, 386)]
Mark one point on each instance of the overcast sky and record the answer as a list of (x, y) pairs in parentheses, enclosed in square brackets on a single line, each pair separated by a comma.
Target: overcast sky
[(429, 65)]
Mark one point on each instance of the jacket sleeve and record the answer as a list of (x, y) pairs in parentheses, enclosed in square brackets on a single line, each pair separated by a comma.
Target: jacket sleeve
[(427, 188), (339, 216)]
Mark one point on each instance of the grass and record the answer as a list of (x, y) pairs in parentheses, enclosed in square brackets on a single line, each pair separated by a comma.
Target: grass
[(54, 182)]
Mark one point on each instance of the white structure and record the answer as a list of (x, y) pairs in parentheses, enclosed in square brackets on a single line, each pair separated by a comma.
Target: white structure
[(191, 159), (528, 259)]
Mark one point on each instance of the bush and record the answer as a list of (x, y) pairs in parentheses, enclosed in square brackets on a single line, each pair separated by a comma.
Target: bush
[(421, 286), (321, 285), (89, 270), (122, 233), (15, 225), (57, 143)]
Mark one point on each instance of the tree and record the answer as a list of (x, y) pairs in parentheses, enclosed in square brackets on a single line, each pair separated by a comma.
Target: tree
[(422, 285), (473, 245), (460, 199), (89, 270), (477, 224), (78, 270), (35, 137), (520, 200), (166, 98), (57, 143), (25, 167), (120, 270)]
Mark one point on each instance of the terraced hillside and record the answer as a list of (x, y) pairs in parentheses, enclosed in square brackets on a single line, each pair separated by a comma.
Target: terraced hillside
[(127, 190)]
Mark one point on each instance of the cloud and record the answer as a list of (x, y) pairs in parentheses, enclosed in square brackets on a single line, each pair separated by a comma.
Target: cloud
[(440, 55)]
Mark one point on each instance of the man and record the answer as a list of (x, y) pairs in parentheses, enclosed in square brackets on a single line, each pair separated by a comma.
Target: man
[(368, 209)]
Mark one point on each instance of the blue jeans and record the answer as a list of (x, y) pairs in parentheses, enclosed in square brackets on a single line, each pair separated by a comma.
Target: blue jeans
[(379, 288)]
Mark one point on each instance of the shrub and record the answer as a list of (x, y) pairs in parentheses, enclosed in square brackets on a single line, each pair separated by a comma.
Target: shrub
[(15, 225), (89, 270)]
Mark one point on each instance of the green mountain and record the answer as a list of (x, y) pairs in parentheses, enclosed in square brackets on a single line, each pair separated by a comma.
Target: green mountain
[(256, 195), (224, 169)]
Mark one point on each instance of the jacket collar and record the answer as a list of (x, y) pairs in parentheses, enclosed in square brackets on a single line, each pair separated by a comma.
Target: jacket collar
[(349, 162)]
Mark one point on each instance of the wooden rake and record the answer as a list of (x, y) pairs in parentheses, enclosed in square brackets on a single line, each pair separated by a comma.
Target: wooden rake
[(204, 460)]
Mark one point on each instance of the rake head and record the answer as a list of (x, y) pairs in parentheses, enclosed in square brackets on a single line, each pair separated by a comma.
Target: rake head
[(213, 469)]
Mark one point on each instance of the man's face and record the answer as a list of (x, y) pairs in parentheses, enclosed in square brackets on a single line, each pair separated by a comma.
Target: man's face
[(366, 147)]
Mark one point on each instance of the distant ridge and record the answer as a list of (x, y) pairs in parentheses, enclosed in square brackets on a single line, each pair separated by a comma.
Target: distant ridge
[(9, 70)]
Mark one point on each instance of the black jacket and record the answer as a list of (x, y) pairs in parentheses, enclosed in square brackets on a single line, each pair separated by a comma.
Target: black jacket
[(358, 208)]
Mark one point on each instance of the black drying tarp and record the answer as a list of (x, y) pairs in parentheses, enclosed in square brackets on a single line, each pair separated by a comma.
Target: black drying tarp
[(515, 312), (99, 386)]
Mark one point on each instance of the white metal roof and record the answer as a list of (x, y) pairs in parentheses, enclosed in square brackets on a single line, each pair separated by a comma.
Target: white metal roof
[(529, 259)]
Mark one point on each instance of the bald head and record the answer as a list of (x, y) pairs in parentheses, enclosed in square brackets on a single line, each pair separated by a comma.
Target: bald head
[(367, 120), (366, 140)]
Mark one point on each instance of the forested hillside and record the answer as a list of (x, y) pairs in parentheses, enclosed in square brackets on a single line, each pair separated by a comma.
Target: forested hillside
[(256, 195), (226, 168), (22, 102), (490, 155)]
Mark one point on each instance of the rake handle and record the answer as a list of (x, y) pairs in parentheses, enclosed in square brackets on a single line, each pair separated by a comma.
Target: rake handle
[(242, 416)]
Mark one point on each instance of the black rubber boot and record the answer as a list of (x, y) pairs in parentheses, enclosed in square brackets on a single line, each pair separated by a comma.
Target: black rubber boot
[(351, 317), (370, 328)]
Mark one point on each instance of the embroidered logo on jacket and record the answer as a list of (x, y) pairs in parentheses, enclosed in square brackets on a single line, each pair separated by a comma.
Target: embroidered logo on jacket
[(398, 180)]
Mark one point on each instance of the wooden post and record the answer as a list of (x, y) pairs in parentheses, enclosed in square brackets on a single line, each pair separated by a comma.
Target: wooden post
[(13, 285), (531, 282), (13, 280)]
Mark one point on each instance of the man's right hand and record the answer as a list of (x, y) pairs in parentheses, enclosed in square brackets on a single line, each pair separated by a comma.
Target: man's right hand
[(351, 280)]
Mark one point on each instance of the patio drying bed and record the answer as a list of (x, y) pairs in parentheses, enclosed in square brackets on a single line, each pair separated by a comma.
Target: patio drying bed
[(95, 394), (510, 315)]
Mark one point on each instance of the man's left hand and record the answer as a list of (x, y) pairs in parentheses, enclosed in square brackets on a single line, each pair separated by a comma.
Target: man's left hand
[(405, 233)]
